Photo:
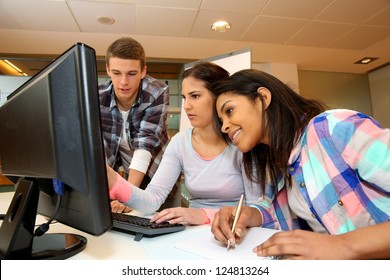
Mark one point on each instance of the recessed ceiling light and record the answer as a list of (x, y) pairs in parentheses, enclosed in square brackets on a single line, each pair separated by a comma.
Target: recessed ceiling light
[(106, 20), (221, 26), (366, 60)]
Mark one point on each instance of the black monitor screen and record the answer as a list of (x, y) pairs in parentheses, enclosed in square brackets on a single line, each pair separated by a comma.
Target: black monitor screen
[(51, 142)]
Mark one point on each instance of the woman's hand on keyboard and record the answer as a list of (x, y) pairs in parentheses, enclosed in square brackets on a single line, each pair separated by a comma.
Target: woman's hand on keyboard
[(181, 215), (117, 207)]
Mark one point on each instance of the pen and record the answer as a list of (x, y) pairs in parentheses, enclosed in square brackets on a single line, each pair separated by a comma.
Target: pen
[(238, 211)]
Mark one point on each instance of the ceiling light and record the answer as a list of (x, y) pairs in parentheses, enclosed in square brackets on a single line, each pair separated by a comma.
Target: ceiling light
[(15, 67), (220, 26), (106, 20), (366, 60)]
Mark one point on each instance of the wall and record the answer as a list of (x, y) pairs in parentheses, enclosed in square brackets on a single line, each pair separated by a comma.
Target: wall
[(380, 95), (337, 90), (287, 73)]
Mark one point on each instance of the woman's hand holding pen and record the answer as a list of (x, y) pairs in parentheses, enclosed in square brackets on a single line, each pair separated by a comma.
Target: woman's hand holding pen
[(223, 221)]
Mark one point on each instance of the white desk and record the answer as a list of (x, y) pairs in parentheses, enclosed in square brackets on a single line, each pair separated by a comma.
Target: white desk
[(194, 241), (116, 245), (121, 247)]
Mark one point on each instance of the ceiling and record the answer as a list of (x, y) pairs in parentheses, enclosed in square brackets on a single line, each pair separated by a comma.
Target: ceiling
[(320, 35)]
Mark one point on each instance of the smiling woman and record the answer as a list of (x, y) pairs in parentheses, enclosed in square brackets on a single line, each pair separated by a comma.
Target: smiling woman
[(318, 169)]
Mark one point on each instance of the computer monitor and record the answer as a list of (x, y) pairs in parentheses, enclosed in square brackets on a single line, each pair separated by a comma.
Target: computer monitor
[(51, 142)]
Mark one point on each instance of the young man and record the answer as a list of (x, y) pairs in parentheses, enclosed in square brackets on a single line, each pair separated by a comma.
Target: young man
[(133, 109)]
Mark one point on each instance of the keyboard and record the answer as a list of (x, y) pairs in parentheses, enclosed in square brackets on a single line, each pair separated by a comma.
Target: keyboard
[(141, 226)]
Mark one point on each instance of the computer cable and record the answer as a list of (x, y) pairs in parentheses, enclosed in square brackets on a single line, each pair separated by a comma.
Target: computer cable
[(43, 228)]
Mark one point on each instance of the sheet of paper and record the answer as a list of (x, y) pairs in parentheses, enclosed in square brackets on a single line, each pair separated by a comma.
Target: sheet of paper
[(207, 247)]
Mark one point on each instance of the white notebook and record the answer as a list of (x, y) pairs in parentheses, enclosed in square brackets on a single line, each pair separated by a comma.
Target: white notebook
[(206, 246)]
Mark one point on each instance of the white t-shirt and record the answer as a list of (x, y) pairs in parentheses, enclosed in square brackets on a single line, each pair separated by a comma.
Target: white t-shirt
[(140, 159), (301, 208)]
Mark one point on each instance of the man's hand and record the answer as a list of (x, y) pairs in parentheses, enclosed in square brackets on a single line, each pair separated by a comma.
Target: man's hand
[(117, 207)]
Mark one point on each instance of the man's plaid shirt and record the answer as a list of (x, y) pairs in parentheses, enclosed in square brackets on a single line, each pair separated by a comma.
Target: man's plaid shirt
[(146, 126)]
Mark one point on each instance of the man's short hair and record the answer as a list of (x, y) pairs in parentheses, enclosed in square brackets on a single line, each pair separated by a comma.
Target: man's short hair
[(126, 48)]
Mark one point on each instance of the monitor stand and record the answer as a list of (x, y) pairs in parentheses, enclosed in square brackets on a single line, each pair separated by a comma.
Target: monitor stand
[(17, 230)]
